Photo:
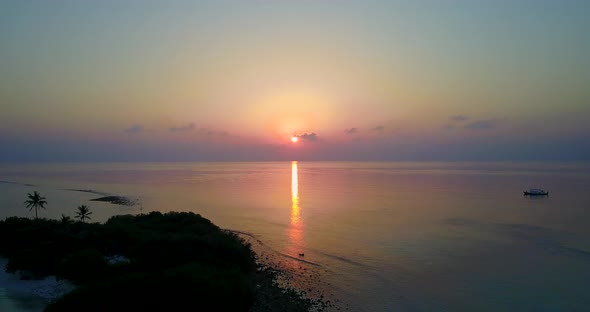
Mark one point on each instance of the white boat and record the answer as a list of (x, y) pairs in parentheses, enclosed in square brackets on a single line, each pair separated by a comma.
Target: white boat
[(535, 192)]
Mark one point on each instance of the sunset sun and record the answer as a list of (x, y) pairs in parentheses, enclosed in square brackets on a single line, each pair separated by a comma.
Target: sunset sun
[(294, 139)]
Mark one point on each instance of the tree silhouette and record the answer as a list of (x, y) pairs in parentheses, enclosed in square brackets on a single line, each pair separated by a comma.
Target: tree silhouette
[(36, 201), (83, 213), (65, 219)]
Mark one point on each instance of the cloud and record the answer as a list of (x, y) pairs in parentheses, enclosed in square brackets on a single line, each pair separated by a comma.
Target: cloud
[(134, 129), (189, 127), (458, 118), (448, 127), (207, 131), (378, 128), (308, 136), (482, 124), (351, 130)]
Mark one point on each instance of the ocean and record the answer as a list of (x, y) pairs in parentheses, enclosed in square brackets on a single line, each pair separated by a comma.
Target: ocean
[(367, 236)]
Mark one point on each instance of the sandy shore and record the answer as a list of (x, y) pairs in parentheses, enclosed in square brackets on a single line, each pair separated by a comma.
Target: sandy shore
[(46, 289)]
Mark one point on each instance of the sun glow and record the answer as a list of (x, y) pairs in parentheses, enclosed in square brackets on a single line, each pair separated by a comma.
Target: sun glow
[(294, 139)]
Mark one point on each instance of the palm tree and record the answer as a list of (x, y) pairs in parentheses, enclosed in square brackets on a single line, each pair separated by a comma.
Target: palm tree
[(35, 201), (83, 213), (65, 219)]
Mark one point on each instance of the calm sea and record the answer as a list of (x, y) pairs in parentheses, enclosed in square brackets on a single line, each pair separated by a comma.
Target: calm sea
[(376, 236)]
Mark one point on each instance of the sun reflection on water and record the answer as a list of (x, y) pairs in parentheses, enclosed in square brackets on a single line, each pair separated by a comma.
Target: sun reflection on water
[(296, 226), (294, 195)]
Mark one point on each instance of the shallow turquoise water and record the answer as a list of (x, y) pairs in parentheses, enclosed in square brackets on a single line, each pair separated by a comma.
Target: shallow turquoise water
[(381, 236)]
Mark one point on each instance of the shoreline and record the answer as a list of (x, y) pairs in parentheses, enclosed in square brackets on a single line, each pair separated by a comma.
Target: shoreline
[(274, 291), (266, 283), (297, 279), (30, 293), (48, 288)]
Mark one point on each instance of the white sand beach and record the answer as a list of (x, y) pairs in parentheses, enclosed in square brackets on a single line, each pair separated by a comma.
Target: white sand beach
[(28, 295)]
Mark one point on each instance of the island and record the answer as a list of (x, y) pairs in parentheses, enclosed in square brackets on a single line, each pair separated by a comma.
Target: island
[(168, 262)]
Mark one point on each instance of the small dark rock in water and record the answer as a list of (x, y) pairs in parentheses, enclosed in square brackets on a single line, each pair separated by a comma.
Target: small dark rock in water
[(117, 200)]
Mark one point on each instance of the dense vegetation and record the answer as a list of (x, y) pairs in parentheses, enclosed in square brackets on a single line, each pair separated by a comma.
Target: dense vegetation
[(177, 261)]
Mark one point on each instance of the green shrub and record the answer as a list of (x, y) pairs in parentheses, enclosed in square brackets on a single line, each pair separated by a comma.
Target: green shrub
[(83, 265), (178, 261)]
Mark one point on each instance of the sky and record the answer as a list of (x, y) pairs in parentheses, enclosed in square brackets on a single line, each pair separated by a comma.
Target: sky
[(353, 80)]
